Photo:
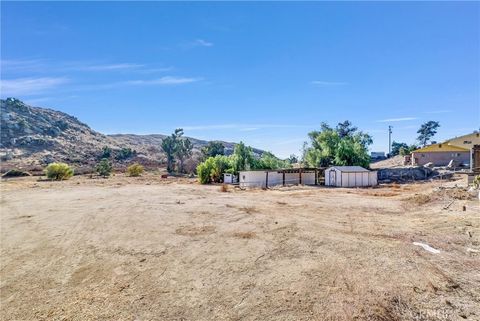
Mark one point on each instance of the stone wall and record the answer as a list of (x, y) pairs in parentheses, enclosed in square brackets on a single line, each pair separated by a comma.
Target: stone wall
[(405, 174)]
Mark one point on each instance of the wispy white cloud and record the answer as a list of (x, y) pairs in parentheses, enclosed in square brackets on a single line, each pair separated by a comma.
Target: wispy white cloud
[(46, 66), (111, 67), (155, 70), (167, 80), (202, 43), (328, 83), (195, 43), (388, 120), (28, 86)]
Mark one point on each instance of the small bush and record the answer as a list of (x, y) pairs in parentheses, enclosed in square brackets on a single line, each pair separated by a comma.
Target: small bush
[(125, 153), (59, 171), (106, 152), (476, 182), (224, 188), (135, 170), (104, 168)]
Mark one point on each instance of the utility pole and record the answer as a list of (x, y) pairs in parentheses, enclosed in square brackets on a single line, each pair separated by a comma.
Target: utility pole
[(389, 140)]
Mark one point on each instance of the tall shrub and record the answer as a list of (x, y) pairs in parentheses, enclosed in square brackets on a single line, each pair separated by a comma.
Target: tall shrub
[(212, 169)]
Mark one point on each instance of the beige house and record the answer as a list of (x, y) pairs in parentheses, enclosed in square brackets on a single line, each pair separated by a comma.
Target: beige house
[(465, 141), (457, 149)]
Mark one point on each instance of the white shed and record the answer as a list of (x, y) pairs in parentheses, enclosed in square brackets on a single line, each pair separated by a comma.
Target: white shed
[(229, 178), (350, 176)]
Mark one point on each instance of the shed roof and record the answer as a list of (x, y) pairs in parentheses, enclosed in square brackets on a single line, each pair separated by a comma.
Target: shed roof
[(350, 168)]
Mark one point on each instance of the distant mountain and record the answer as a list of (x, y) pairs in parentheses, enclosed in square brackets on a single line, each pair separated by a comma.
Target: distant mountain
[(34, 136)]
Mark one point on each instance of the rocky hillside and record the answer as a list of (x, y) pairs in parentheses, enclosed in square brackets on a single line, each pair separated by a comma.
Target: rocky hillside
[(34, 137)]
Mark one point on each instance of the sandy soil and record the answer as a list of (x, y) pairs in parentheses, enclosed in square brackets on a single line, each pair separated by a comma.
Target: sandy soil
[(151, 249)]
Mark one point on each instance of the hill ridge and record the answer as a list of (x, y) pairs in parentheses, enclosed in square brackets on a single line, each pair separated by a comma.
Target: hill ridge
[(35, 136)]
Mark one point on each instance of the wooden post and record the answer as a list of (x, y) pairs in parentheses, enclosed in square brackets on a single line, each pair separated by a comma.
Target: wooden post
[(266, 179), (316, 176), (300, 176), (284, 178)]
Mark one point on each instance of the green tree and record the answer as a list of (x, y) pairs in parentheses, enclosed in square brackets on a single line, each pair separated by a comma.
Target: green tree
[(125, 153), (270, 161), (344, 145), (292, 159), (106, 152), (183, 151), (402, 148), (104, 168), (396, 148), (169, 147), (243, 158), (345, 129), (176, 147), (427, 131), (213, 149)]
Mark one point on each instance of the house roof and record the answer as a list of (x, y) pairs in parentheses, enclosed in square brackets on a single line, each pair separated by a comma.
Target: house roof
[(467, 136), (350, 168), (442, 147)]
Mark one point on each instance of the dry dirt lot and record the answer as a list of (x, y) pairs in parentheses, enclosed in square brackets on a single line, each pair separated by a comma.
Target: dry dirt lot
[(147, 249)]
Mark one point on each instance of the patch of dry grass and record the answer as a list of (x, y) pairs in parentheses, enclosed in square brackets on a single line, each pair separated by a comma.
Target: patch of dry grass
[(195, 230), (248, 209), (244, 235), (418, 199)]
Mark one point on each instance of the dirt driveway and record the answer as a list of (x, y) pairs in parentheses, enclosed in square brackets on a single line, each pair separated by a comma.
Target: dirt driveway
[(146, 249)]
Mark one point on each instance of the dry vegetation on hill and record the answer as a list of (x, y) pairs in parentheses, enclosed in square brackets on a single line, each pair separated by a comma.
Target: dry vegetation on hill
[(32, 137)]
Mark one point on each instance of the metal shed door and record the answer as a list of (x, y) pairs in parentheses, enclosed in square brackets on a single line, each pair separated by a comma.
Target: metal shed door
[(333, 178)]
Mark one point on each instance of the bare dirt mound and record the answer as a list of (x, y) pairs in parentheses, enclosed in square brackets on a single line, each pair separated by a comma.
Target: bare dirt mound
[(395, 161)]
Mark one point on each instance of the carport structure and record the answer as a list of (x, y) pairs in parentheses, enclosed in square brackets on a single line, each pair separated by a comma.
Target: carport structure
[(275, 177)]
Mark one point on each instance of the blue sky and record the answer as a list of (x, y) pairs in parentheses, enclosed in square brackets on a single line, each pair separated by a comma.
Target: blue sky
[(265, 73)]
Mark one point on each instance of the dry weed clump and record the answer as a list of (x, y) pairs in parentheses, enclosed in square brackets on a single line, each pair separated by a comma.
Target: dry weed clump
[(244, 235), (224, 188), (248, 209), (195, 230), (419, 199), (384, 194), (459, 194)]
